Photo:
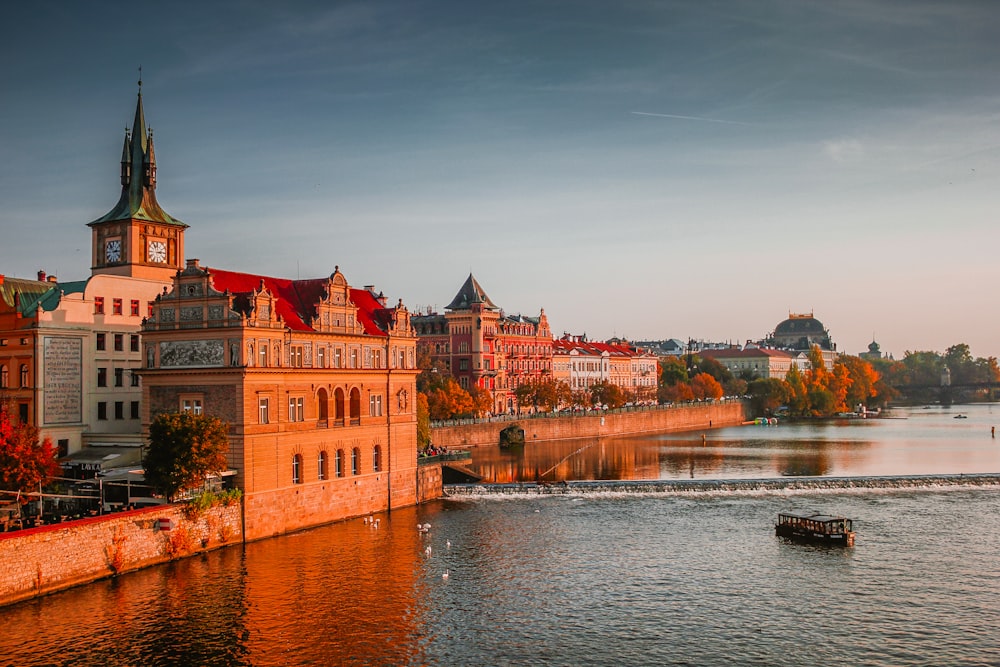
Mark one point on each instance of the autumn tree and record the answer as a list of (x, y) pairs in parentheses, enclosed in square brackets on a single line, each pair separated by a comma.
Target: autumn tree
[(184, 448), (25, 462), (607, 393), (449, 401), (423, 422), (864, 381), (703, 385)]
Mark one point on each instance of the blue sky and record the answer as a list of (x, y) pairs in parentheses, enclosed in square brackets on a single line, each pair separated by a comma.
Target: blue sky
[(640, 169)]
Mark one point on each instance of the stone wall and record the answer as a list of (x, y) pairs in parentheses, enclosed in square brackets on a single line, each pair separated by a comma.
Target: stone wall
[(430, 484), (42, 560), (680, 418)]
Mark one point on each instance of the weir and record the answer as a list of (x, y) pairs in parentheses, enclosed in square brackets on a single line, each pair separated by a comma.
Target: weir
[(684, 486)]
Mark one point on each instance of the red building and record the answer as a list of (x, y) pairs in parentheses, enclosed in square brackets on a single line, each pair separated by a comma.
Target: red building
[(484, 347)]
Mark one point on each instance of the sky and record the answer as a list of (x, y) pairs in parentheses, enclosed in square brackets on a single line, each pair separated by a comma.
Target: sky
[(643, 169)]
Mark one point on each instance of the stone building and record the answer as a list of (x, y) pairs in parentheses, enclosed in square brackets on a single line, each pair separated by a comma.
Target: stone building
[(316, 379), (484, 347), (581, 364)]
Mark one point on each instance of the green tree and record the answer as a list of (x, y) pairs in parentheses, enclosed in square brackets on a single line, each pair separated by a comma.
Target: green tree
[(25, 462), (423, 422), (767, 395), (184, 448)]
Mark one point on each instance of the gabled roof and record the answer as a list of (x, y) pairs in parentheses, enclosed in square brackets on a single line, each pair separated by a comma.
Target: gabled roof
[(471, 293), (297, 299)]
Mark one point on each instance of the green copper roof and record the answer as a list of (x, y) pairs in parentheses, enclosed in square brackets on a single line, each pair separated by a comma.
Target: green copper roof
[(28, 295), (138, 198)]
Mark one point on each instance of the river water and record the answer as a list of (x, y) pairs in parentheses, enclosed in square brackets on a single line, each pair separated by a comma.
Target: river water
[(591, 578)]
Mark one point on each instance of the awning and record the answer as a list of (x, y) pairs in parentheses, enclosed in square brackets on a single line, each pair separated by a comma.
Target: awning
[(98, 459)]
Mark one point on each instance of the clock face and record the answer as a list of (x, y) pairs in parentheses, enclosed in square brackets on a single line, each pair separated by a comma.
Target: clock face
[(158, 252), (113, 251)]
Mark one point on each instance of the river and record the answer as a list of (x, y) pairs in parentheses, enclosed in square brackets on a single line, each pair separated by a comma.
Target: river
[(591, 578)]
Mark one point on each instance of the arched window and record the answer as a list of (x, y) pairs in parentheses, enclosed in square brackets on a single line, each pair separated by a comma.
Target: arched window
[(4, 377), (321, 466), (340, 463), (338, 404), (24, 375), (377, 458), (323, 405), (355, 460), (355, 406), (297, 469)]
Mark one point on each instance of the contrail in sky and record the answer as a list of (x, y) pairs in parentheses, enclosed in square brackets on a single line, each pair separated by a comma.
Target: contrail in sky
[(706, 120)]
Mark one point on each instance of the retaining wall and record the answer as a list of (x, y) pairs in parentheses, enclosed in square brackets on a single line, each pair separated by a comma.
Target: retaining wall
[(42, 560), (598, 424)]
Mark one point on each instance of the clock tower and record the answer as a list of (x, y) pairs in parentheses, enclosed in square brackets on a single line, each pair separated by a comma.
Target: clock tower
[(137, 238)]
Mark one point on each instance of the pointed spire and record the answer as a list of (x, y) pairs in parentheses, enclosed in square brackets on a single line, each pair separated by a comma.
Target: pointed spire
[(138, 175), (471, 293)]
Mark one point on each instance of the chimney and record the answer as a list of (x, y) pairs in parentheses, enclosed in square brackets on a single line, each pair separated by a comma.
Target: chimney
[(41, 276)]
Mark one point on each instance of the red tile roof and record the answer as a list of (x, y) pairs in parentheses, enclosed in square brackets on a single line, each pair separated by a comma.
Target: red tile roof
[(297, 299)]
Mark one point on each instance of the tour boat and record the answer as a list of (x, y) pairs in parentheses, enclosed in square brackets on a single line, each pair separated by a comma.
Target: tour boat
[(812, 527)]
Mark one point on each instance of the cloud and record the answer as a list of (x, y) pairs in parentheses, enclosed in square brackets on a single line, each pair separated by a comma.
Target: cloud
[(844, 150), (699, 118)]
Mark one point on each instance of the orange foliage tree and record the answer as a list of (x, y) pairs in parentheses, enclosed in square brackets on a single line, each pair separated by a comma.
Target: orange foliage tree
[(24, 461), (704, 385)]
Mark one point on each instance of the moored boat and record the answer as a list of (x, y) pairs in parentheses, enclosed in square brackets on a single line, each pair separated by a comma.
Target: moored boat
[(813, 527)]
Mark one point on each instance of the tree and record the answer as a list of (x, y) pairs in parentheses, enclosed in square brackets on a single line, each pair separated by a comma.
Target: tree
[(767, 395), (184, 448), (703, 385), (423, 422), (607, 394), (24, 461)]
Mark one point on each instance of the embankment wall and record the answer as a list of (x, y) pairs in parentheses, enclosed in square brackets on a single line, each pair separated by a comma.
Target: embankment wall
[(42, 560), (674, 418)]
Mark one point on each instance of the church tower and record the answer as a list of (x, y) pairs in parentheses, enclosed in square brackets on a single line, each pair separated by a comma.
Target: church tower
[(137, 238)]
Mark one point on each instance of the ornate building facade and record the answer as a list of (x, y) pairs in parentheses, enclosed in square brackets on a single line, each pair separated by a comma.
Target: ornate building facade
[(316, 379), (581, 364), (484, 347)]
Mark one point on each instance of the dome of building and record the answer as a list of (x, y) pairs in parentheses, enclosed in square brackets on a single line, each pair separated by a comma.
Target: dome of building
[(801, 332)]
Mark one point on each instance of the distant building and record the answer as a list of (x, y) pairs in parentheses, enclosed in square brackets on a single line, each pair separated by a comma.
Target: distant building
[(581, 364), (483, 347), (800, 333), (755, 362), (874, 351)]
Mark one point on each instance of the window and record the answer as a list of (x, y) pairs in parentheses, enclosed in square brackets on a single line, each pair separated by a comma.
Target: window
[(354, 358), (321, 466), (133, 410), (22, 412), (295, 356), (24, 375), (262, 406), (149, 309), (296, 409), (375, 405), (102, 410), (4, 377), (134, 382), (133, 343), (321, 357), (135, 308), (119, 342), (355, 460), (377, 458), (119, 377), (339, 463), (102, 342), (263, 354), (119, 410), (102, 377), (98, 305), (116, 306), (297, 469), (338, 358), (191, 404)]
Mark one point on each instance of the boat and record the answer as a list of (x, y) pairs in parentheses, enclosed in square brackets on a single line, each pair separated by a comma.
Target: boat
[(959, 417), (817, 528)]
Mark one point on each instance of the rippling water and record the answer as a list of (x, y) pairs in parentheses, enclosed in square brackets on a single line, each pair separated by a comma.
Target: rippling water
[(591, 579)]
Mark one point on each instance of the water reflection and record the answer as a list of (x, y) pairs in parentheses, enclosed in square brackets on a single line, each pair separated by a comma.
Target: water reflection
[(916, 441)]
